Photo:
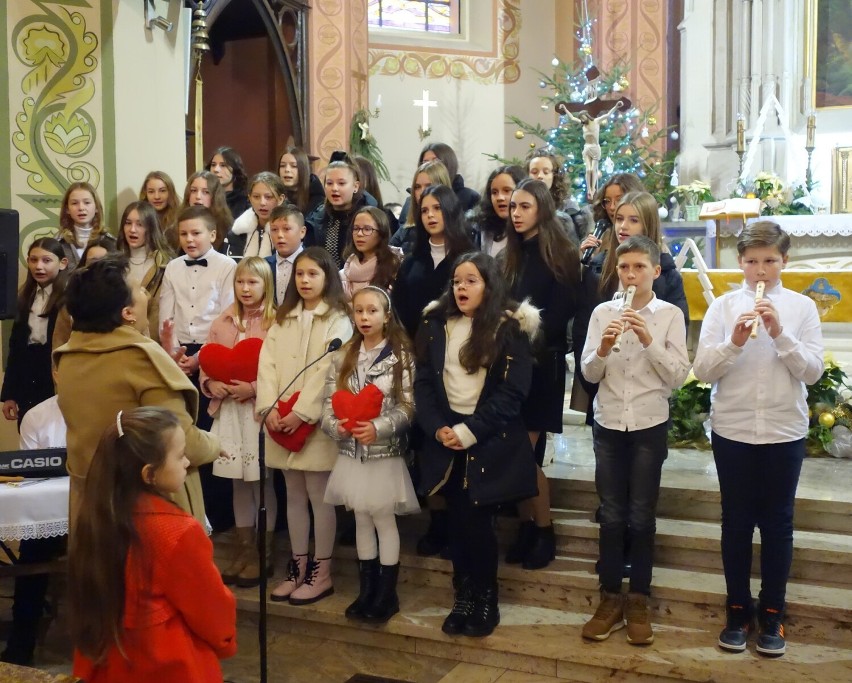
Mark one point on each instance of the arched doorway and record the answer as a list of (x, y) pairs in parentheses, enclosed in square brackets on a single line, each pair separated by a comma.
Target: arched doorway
[(254, 80)]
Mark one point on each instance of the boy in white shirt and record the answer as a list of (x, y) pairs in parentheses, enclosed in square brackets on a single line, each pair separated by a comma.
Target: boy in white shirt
[(759, 414), (196, 288), (287, 230), (630, 431)]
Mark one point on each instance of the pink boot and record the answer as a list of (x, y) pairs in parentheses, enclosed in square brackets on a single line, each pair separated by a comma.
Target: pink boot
[(317, 583), (296, 569)]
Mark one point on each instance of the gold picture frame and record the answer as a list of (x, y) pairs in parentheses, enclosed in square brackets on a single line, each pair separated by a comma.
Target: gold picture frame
[(841, 180), (828, 38)]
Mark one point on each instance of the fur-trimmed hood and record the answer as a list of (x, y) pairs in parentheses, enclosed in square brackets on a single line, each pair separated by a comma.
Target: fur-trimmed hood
[(527, 316)]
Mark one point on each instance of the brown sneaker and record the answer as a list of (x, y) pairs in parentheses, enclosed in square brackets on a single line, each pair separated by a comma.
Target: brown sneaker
[(608, 617), (639, 631)]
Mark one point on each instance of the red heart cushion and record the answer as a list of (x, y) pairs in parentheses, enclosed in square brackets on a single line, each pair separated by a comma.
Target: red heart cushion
[(295, 441), (224, 364), (360, 407)]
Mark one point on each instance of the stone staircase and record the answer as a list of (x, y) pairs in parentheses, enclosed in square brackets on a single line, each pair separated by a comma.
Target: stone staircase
[(542, 611)]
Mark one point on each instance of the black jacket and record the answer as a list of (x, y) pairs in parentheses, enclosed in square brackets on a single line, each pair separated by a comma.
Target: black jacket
[(417, 283), (321, 221), (467, 198), (500, 466)]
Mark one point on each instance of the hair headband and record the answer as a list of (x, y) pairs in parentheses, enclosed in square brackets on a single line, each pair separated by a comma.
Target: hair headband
[(118, 424), (373, 288)]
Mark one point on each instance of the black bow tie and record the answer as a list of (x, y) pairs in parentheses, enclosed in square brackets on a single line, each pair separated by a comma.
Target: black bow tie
[(199, 262)]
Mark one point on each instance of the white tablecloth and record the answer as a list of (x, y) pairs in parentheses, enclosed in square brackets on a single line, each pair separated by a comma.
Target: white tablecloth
[(829, 225), (37, 510)]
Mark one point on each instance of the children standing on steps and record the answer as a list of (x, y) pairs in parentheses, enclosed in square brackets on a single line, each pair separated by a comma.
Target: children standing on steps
[(370, 475), (759, 414), (28, 380), (146, 600), (313, 314), (233, 410), (630, 431), (196, 289), (287, 230), (473, 373)]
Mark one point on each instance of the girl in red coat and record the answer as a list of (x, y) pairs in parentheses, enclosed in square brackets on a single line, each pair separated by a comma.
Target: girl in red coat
[(146, 600)]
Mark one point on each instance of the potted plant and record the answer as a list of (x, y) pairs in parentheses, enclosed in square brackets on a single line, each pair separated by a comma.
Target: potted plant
[(692, 196)]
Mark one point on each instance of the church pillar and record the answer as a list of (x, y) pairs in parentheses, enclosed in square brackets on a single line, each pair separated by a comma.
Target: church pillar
[(337, 60)]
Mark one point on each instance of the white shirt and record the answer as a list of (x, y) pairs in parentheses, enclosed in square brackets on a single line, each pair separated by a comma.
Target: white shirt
[(43, 426), (463, 389), (759, 394), (82, 233), (38, 324), (283, 273), (194, 296), (141, 261), (636, 383), (438, 251)]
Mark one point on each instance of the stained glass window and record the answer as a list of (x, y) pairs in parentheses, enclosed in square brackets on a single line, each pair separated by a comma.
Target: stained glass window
[(435, 16)]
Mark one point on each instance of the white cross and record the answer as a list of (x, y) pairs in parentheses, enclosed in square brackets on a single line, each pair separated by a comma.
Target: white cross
[(425, 103)]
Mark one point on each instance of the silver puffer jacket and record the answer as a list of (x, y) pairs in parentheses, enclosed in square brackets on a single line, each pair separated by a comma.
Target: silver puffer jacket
[(393, 423)]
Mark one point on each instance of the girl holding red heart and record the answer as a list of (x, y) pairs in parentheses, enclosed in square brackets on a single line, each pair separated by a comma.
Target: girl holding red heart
[(368, 406), (228, 376), (312, 314)]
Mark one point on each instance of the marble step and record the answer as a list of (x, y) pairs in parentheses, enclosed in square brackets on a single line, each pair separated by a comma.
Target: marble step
[(541, 641)]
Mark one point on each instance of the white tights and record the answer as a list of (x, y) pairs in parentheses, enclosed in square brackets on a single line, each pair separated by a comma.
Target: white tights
[(302, 488), (247, 503), (367, 525)]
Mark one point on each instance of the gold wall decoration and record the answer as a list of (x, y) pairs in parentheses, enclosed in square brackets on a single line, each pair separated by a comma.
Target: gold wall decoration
[(496, 66), (841, 180)]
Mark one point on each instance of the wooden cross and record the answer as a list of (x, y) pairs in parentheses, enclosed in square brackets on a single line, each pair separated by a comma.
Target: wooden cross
[(426, 104)]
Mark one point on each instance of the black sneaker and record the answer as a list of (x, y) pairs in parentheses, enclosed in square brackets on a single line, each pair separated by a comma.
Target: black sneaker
[(739, 625), (770, 637)]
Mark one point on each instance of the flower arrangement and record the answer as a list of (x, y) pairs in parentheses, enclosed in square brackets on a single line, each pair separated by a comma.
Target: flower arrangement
[(779, 199), (696, 193), (829, 413)]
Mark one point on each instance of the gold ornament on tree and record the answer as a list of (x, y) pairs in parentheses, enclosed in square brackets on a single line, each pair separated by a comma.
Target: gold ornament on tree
[(623, 82), (519, 134), (652, 120)]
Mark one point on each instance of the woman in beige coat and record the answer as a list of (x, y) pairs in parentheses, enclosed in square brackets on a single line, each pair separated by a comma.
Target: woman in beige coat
[(108, 366), (312, 315)]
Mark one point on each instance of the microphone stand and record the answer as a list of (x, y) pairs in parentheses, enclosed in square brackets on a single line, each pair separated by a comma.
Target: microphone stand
[(261, 512)]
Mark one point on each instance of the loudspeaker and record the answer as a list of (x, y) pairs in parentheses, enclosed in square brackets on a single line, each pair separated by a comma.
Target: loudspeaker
[(9, 244)]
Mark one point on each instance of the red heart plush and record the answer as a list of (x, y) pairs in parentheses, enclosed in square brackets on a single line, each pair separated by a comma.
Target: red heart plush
[(295, 441), (224, 364), (360, 407)]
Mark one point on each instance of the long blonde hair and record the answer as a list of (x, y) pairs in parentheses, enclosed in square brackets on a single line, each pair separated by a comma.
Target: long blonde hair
[(259, 267)]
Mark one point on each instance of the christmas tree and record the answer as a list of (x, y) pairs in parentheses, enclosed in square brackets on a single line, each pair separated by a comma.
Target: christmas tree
[(628, 136)]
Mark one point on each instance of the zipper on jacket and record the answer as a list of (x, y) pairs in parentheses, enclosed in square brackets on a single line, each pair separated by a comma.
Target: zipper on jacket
[(506, 370), (466, 462)]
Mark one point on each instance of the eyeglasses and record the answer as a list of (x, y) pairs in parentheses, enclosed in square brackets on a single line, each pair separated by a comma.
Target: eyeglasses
[(610, 202), (468, 281), (366, 231)]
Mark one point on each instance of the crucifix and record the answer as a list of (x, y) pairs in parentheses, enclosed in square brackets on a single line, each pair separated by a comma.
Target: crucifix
[(426, 104)]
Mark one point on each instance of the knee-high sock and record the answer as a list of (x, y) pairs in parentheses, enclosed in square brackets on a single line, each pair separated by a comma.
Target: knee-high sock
[(325, 519)]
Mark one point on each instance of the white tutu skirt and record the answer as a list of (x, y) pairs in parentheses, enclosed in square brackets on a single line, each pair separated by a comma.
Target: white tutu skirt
[(372, 486), (237, 431)]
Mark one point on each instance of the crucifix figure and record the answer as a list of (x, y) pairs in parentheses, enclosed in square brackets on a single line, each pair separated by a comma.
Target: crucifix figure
[(426, 104)]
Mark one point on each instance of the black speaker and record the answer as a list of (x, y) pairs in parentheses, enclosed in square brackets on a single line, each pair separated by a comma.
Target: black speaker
[(9, 244)]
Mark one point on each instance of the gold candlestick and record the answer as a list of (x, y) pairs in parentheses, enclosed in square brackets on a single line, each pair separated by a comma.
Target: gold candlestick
[(740, 134), (810, 139)]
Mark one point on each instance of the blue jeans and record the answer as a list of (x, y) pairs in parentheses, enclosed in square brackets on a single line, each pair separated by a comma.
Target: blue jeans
[(627, 476), (758, 486)]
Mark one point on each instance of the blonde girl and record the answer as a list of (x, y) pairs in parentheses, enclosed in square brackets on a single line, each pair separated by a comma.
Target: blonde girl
[(204, 189), (370, 475), (232, 408), (81, 220), (158, 190), (370, 260), (311, 316), (250, 235), (331, 222)]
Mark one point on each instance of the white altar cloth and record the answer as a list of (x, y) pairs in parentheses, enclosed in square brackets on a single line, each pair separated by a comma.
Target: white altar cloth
[(828, 225), (38, 510)]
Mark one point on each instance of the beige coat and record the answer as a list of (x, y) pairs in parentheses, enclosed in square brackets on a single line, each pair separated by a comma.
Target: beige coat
[(100, 374), (282, 356)]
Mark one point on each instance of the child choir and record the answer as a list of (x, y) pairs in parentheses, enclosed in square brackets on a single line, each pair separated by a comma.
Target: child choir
[(454, 334)]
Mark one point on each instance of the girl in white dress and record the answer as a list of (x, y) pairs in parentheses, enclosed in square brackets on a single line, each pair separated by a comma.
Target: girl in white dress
[(370, 475), (232, 407)]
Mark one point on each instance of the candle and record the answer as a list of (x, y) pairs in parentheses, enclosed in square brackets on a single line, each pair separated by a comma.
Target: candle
[(811, 131), (379, 101), (740, 133)]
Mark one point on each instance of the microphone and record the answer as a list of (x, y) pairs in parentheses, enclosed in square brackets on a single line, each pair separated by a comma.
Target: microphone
[(600, 228), (333, 345)]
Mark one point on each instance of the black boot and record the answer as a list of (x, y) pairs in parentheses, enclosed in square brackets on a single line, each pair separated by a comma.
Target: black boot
[(485, 615), (518, 552), (386, 602), (462, 607), (435, 539), (543, 550), (368, 572)]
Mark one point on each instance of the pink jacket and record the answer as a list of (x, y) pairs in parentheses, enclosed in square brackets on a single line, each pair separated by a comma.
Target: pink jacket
[(224, 331)]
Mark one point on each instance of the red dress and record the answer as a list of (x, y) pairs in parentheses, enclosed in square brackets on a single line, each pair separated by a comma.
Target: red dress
[(181, 622)]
